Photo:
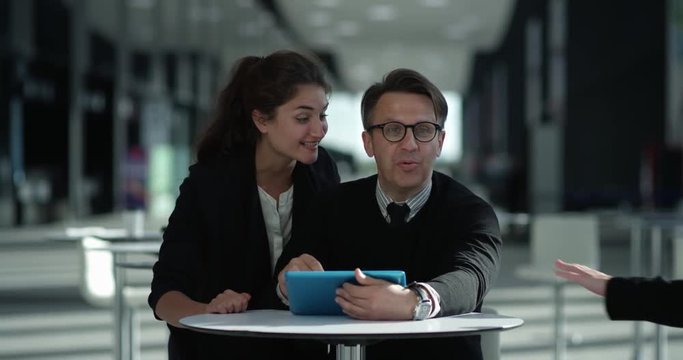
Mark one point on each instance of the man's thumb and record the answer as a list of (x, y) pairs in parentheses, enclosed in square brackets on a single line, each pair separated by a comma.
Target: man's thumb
[(363, 279)]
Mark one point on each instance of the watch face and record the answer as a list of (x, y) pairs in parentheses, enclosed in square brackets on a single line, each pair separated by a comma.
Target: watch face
[(422, 310)]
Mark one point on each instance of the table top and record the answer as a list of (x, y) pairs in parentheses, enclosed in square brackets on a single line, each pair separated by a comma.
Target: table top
[(140, 247), (144, 265), (109, 234), (342, 329)]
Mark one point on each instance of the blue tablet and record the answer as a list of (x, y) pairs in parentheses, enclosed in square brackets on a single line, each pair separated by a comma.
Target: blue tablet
[(313, 292)]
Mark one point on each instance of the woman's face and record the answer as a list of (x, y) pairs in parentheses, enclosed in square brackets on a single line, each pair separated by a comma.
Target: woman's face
[(297, 126)]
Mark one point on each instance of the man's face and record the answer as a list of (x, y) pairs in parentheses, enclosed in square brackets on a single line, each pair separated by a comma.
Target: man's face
[(403, 167)]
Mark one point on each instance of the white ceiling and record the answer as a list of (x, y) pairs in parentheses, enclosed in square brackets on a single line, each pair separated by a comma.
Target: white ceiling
[(366, 37), (225, 26), (372, 37)]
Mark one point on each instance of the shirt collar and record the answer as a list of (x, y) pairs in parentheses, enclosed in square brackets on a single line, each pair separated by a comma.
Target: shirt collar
[(415, 202)]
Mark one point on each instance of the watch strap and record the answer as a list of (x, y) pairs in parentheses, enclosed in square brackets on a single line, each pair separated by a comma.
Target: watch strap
[(424, 304)]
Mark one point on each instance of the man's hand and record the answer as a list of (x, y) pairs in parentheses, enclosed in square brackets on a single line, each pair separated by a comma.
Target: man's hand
[(228, 302), (376, 299), (305, 262)]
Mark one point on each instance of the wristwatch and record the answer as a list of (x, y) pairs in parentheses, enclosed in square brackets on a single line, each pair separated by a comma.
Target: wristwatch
[(424, 302)]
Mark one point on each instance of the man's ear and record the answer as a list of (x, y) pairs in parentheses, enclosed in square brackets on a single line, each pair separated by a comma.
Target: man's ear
[(367, 144), (440, 138), (260, 121)]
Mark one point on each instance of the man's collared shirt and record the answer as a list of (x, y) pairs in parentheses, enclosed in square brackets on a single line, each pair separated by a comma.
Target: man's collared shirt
[(415, 203)]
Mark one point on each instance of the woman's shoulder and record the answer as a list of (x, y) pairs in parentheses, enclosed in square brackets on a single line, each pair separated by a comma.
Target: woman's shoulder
[(324, 169), (220, 166), (324, 158), (204, 168)]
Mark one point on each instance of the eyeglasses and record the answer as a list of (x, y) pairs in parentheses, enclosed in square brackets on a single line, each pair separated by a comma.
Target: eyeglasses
[(395, 131)]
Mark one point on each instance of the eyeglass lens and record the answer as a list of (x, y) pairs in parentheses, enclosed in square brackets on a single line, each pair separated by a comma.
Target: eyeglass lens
[(423, 131)]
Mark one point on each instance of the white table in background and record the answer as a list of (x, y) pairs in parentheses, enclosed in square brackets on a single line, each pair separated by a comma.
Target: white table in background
[(119, 250)]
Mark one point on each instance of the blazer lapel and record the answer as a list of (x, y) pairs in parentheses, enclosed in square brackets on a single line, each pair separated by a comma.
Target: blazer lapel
[(244, 226)]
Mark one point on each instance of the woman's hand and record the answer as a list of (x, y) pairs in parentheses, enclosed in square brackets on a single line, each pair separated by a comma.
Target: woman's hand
[(228, 302), (591, 279), (304, 262)]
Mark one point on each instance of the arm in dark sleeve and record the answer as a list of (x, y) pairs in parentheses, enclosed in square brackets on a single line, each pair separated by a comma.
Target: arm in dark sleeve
[(475, 264), (310, 238), (636, 298), (176, 267), (323, 177)]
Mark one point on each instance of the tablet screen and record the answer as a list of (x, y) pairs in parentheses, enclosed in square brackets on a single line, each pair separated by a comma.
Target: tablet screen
[(313, 292)]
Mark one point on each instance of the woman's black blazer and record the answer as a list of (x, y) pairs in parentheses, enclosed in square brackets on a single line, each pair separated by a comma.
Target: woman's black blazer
[(216, 240)]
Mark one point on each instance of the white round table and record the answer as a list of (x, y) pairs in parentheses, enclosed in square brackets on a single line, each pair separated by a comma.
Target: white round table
[(349, 334)]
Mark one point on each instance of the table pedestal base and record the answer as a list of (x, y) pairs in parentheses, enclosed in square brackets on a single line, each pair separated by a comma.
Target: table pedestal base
[(350, 352)]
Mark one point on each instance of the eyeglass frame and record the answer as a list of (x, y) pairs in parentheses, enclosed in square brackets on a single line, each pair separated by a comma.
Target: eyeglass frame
[(405, 130)]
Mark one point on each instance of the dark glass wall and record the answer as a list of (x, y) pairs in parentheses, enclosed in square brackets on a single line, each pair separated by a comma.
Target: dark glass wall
[(616, 60), (615, 118)]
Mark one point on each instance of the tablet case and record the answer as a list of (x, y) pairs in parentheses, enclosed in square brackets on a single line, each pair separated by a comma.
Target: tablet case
[(313, 292)]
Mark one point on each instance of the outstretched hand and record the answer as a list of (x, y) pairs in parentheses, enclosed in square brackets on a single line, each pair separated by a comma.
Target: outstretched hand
[(376, 299), (589, 278)]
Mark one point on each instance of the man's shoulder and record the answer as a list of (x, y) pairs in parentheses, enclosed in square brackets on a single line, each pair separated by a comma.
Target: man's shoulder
[(455, 192), (360, 183), (450, 185), (454, 198), (352, 188)]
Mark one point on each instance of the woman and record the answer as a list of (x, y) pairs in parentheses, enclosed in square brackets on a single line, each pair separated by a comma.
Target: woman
[(258, 165)]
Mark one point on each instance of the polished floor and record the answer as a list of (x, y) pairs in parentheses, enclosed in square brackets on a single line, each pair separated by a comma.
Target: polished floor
[(43, 316)]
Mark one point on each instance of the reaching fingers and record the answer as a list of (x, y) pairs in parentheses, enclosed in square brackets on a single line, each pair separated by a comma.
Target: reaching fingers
[(577, 269), (583, 275), (305, 262), (310, 263), (568, 267), (568, 275), (559, 264)]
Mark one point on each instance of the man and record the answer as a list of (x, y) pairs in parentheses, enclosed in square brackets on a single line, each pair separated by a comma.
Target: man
[(447, 239)]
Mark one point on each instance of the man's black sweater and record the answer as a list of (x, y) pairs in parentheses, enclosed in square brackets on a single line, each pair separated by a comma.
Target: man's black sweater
[(453, 244)]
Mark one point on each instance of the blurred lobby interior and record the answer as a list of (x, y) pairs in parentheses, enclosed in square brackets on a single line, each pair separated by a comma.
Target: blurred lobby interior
[(557, 107)]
